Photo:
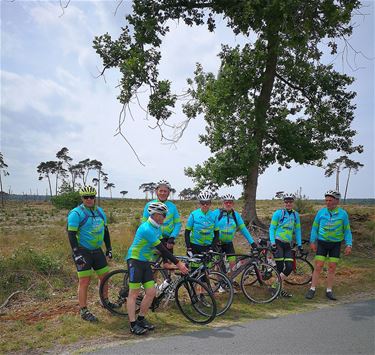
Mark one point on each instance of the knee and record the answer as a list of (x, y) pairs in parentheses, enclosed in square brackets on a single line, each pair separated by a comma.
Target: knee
[(331, 268), (84, 281), (319, 266), (151, 292), (288, 268)]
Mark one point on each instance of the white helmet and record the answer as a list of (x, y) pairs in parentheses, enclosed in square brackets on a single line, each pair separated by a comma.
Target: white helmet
[(205, 196), (333, 193), (157, 207), (163, 183), (228, 197), (289, 196)]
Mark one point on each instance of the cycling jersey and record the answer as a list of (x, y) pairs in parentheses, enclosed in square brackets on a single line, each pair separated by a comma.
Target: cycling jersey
[(283, 224), (228, 226), (90, 235), (331, 226), (202, 226), (145, 240), (172, 222)]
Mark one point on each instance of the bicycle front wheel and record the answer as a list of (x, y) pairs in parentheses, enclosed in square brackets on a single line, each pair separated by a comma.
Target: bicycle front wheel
[(195, 301), (114, 290), (301, 274), (260, 283), (221, 287)]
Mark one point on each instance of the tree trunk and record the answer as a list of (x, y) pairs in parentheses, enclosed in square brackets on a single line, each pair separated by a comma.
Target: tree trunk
[(347, 184), (99, 173), (338, 178), (2, 193), (50, 186)]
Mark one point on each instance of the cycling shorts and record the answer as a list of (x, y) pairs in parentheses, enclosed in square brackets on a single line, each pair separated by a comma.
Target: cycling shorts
[(283, 251), (140, 273), (227, 248), (332, 249), (95, 260)]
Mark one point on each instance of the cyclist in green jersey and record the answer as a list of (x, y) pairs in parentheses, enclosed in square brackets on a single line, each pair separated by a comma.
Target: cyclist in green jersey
[(87, 230), (330, 228)]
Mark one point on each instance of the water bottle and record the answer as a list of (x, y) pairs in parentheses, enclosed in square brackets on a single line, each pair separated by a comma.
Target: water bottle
[(163, 285), (270, 260), (237, 266)]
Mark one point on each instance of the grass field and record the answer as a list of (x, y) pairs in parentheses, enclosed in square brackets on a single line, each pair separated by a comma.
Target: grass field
[(35, 262)]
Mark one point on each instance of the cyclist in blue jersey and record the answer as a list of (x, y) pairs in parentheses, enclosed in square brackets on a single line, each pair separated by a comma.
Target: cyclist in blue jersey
[(229, 222), (172, 222), (202, 231), (284, 223), (330, 228), (87, 230), (138, 258)]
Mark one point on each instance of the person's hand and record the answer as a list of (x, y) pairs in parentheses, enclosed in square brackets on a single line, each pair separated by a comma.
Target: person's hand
[(313, 247), (182, 267), (273, 248), (348, 250), (170, 243), (79, 259), (254, 246), (108, 253)]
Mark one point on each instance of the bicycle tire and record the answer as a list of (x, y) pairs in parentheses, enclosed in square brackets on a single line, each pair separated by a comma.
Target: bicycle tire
[(302, 274), (188, 299), (117, 282), (222, 289), (260, 283)]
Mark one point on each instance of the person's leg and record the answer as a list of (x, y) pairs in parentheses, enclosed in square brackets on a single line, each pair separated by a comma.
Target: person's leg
[(150, 293), (331, 275), (131, 302), (83, 285), (334, 257)]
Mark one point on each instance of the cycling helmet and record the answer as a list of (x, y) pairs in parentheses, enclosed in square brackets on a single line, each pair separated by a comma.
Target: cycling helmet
[(228, 197), (163, 183), (333, 193), (205, 196), (87, 191), (288, 196), (157, 207)]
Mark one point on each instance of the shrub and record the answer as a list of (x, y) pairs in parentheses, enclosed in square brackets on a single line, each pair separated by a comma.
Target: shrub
[(67, 200), (303, 205)]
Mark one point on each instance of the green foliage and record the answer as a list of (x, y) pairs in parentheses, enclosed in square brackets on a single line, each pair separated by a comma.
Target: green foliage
[(67, 200), (303, 205)]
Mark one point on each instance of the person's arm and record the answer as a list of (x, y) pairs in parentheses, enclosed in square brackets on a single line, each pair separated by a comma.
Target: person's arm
[(242, 228), (187, 238), (273, 226), (298, 230), (72, 235), (177, 224), (166, 253), (107, 242), (315, 229), (215, 241), (73, 224), (347, 232)]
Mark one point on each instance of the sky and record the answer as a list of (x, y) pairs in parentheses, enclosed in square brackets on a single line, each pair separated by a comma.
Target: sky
[(52, 97)]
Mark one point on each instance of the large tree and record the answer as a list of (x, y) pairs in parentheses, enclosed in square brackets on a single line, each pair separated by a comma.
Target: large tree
[(272, 101), (3, 169)]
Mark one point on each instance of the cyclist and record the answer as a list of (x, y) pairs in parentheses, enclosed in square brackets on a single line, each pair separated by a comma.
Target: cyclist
[(87, 229), (330, 227), (284, 223), (172, 223), (140, 253), (229, 221), (202, 231)]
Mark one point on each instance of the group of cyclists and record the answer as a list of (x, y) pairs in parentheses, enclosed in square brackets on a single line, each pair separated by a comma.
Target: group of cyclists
[(206, 229)]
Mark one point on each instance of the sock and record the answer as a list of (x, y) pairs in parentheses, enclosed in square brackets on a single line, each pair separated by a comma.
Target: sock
[(140, 318), (312, 288), (329, 289)]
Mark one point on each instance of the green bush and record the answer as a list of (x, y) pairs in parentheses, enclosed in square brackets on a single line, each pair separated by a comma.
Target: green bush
[(303, 205), (67, 200)]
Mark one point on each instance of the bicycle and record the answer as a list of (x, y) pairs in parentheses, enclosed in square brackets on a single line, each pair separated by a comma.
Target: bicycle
[(217, 282), (302, 268), (260, 281), (193, 297)]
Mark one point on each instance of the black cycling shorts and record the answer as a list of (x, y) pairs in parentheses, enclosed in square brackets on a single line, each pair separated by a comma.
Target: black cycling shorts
[(330, 249), (95, 260), (140, 273), (227, 248), (283, 251), (198, 249)]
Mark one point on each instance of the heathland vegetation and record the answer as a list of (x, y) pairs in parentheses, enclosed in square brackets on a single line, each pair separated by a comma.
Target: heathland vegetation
[(38, 273)]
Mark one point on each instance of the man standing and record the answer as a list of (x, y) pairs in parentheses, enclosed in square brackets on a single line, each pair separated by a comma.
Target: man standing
[(331, 226), (284, 223), (87, 229), (172, 222), (140, 253)]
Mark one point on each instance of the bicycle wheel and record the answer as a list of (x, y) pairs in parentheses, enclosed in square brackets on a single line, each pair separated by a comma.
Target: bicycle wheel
[(260, 283), (221, 287), (301, 274), (117, 284), (195, 301)]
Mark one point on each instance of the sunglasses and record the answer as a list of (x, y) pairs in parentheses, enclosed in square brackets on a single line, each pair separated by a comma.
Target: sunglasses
[(88, 197), (205, 203)]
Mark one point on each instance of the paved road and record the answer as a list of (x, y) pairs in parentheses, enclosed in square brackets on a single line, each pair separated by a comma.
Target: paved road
[(343, 329)]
